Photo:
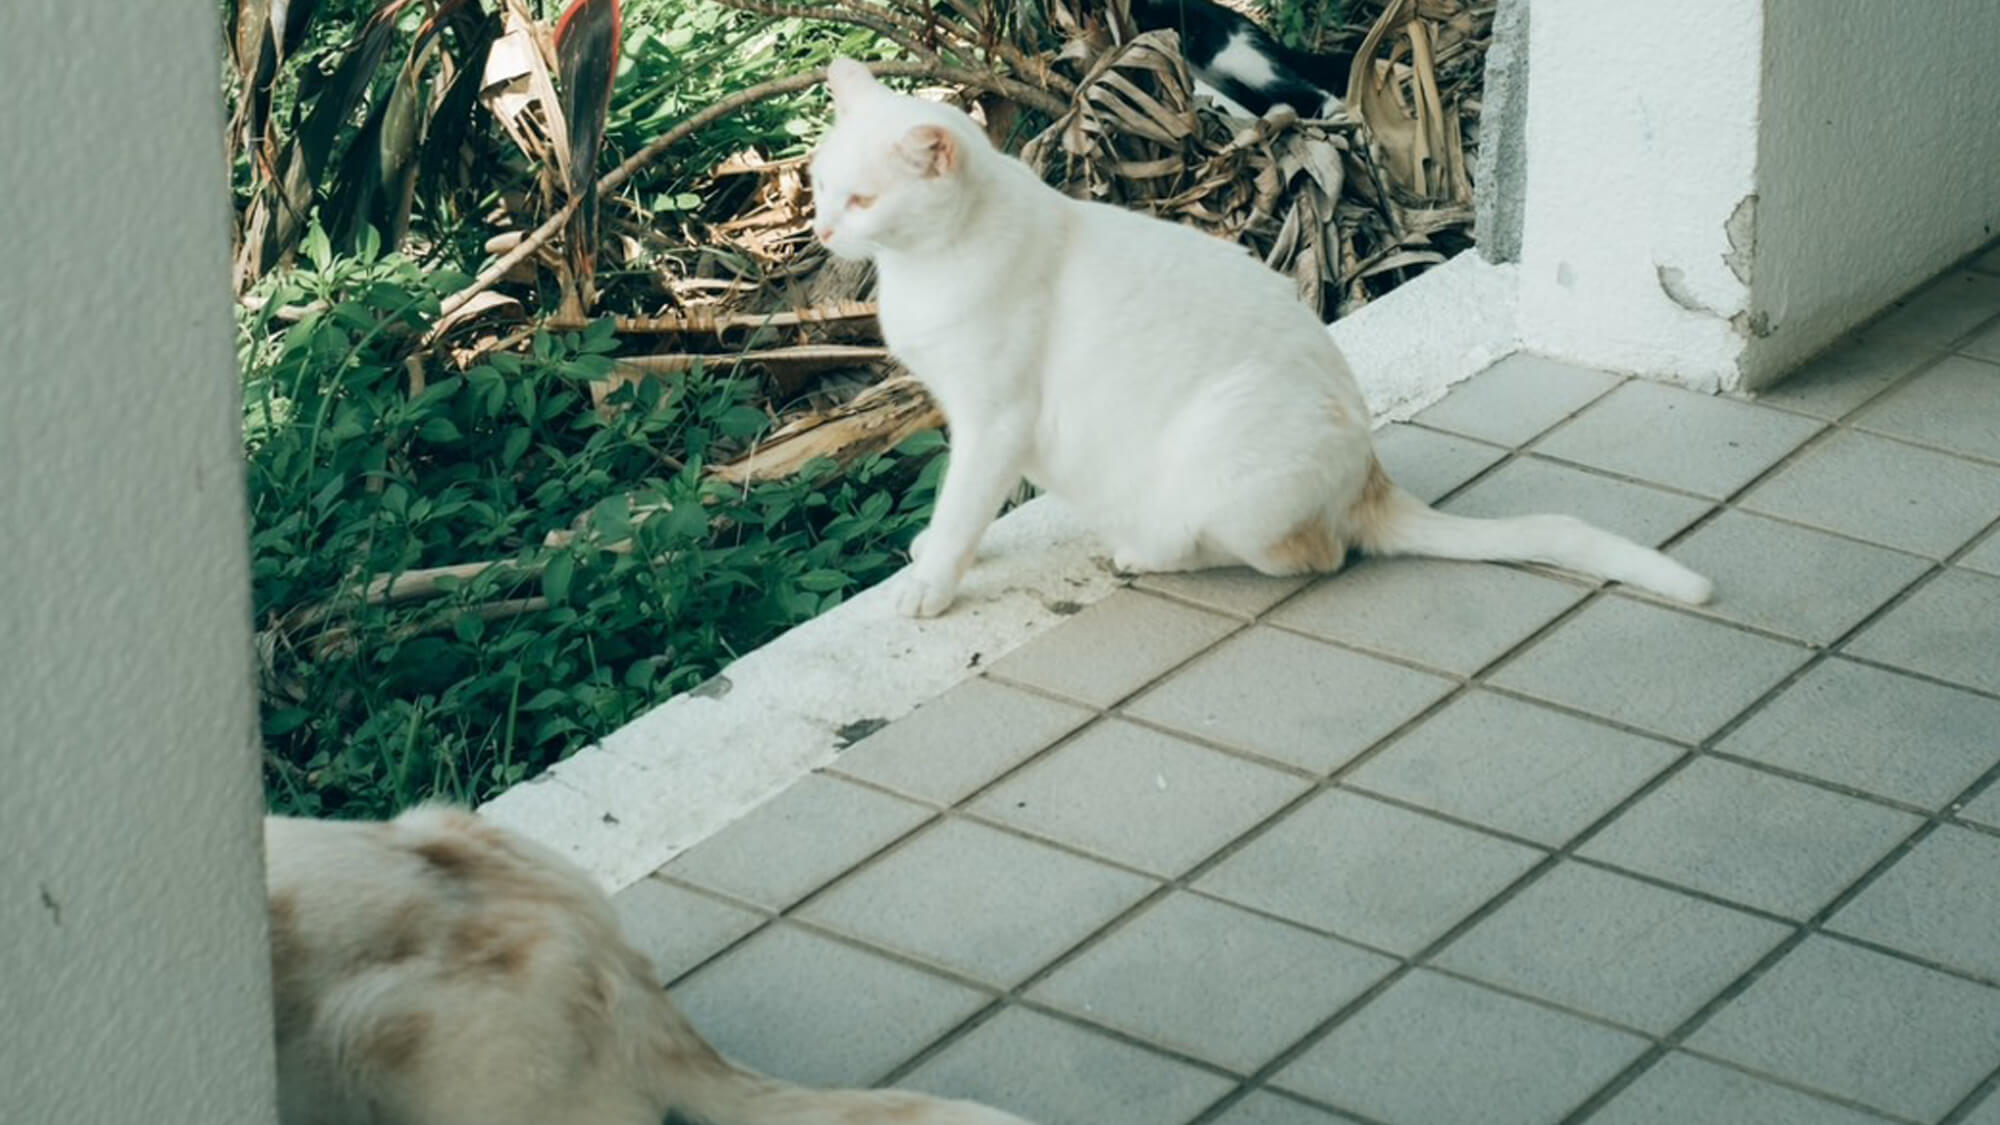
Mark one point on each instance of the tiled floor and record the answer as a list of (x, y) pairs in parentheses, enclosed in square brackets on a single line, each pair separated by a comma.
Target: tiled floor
[(1432, 843)]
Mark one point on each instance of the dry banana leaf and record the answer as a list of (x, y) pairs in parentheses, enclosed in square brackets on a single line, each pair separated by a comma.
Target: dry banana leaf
[(1410, 136), (878, 420)]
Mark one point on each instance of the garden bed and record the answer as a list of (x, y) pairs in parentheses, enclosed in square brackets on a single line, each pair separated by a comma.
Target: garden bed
[(497, 516)]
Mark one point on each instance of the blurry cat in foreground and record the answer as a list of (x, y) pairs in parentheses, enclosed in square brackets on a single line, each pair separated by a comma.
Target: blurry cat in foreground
[(436, 970)]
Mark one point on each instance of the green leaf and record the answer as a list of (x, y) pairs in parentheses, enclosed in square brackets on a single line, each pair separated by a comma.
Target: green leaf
[(515, 445), (545, 699), (742, 422), (612, 518), (601, 335), (923, 441), (441, 430), (820, 581), (318, 250), (285, 721), (556, 576)]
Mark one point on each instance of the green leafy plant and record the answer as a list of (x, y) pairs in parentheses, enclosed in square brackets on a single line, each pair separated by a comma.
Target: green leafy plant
[(460, 579), (1305, 24)]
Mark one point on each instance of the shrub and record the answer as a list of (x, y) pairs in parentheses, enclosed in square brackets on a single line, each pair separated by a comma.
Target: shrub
[(377, 694)]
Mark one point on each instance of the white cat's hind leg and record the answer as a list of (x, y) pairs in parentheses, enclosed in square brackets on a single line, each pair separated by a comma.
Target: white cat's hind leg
[(1163, 551), (1198, 558), (1307, 545), (1309, 548)]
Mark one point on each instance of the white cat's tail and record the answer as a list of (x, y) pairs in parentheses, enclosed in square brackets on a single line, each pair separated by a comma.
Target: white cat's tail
[(1390, 521), (711, 1091)]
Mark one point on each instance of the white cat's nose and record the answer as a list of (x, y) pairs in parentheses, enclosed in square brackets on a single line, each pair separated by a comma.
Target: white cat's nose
[(824, 234)]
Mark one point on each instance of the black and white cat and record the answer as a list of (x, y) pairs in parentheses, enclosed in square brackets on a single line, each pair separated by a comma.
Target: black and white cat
[(1241, 66)]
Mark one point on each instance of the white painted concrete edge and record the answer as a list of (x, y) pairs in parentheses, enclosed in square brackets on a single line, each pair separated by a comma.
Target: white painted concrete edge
[(690, 766)]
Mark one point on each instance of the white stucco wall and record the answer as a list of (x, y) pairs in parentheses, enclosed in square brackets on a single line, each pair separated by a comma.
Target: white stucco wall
[(1878, 161), (1641, 142), (134, 976), (1714, 190)]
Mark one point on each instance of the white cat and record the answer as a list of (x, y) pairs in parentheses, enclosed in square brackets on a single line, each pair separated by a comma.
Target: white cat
[(436, 970), (1160, 380)]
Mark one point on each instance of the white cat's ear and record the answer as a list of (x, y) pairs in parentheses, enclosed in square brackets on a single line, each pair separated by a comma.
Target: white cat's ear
[(930, 150), (848, 81)]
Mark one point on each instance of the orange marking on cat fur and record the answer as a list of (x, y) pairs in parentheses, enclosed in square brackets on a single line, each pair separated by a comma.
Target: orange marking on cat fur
[(1310, 547), (394, 1043)]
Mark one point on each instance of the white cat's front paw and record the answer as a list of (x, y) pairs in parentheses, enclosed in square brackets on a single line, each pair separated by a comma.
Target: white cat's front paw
[(917, 545), (921, 592), (1129, 564)]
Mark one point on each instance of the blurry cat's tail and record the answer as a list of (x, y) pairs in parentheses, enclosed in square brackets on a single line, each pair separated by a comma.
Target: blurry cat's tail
[(708, 1090), (1390, 521)]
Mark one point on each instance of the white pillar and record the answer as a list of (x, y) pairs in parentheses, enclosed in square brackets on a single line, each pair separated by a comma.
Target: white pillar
[(1878, 162), (1714, 190), (1640, 171), (134, 973)]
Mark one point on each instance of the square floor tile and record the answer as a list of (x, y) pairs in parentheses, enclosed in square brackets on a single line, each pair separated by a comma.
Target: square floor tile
[(1113, 648), (677, 928), (1941, 902), (1940, 312), (1532, 485), (1515, 766), (792, 844), (1235, 590), (1139, 797), (813, 1010), (1862, 1025), (1846, 375), (1875, 730), (1265, 1108), (1613, 946), (1055, 1073), (1751, 837), (1289, 699), (1457, 616), (1985, 557), (1694, 442), (1949, 629), (1517, 398), (1791, 580), (1657, 669), (976, 900), (1243, 987), (1428, 464), (1381, 875), (1885, 492), (1432, 1050), (960, 741), (1954, 406), (1681, 1090)]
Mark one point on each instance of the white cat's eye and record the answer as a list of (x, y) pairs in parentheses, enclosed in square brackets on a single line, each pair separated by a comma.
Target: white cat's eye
[(860, 202)]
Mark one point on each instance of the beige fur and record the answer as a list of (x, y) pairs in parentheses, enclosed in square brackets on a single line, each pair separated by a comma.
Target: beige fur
[(436, 970)]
